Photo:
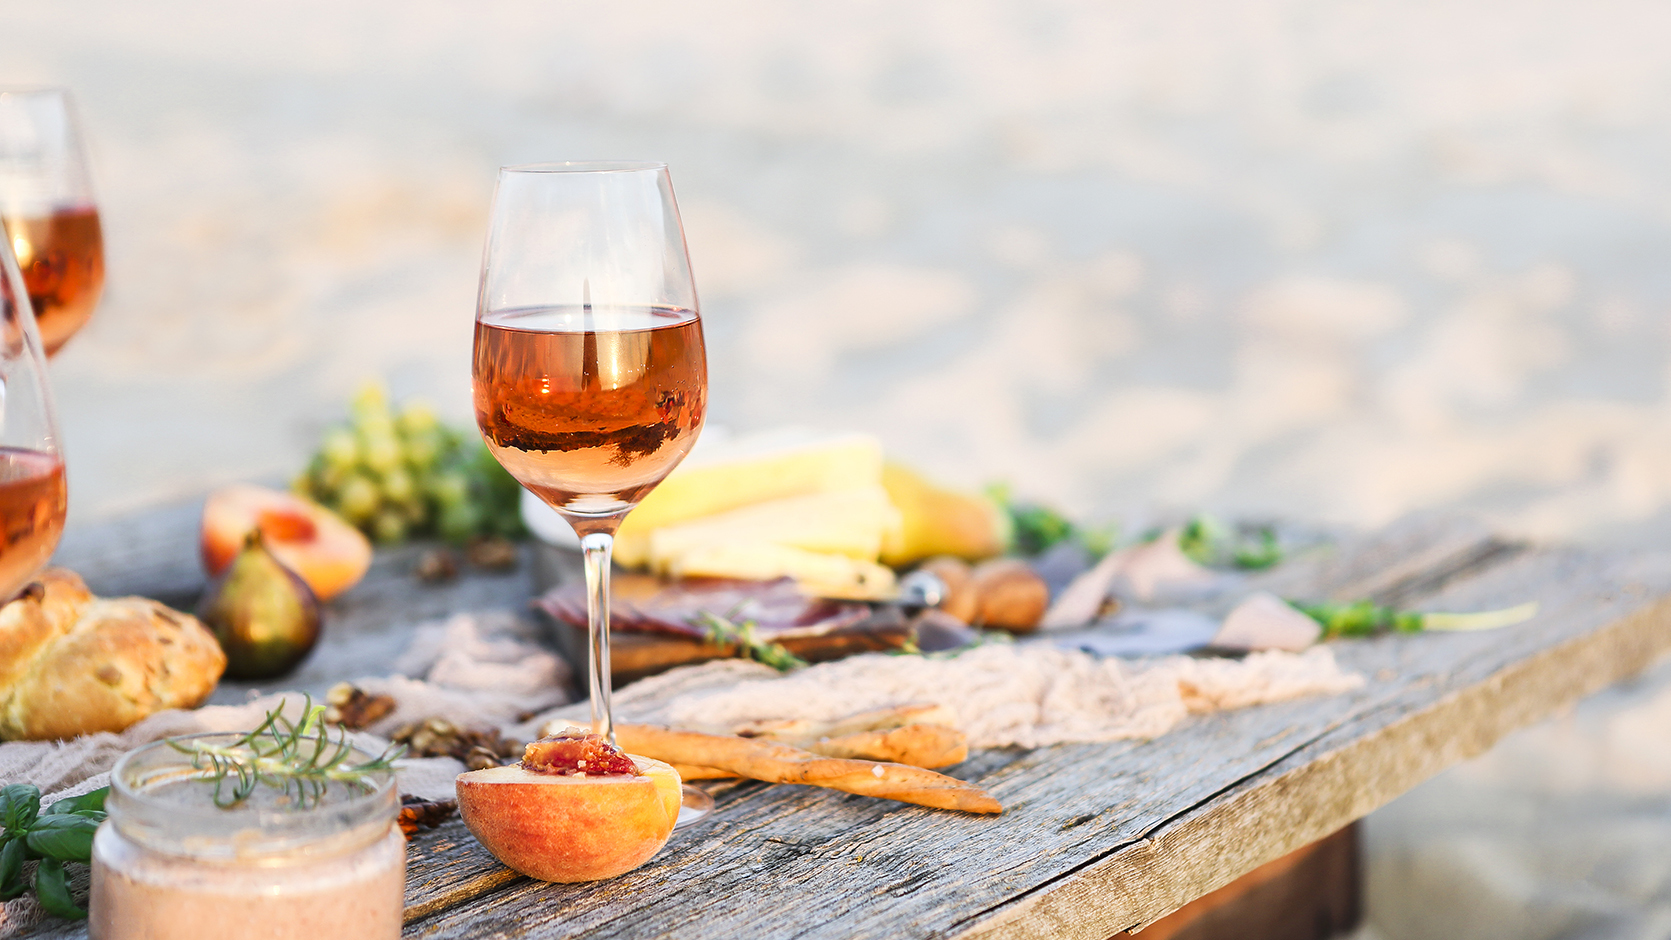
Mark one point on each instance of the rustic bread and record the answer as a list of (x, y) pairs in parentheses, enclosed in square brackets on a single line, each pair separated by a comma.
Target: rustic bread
[(42, 613), (71, 663)]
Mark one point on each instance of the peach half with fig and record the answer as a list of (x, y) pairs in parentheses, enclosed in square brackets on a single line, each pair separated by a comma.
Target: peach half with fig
[(315, 543), (576, 808)]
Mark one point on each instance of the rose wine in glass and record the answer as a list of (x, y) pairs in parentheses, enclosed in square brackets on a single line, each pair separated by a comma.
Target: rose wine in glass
[(46, 205), (589, 370), (562, 421), (32, 491)]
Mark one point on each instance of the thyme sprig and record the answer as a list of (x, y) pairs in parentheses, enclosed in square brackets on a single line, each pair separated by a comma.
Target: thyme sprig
[(298, 759), (727, 630)]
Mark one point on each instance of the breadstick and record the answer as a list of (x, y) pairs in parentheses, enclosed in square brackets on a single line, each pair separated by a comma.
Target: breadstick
[(779, 763), (877, 719), (689, 772), (920, 734), (927, 746), (918, 745)]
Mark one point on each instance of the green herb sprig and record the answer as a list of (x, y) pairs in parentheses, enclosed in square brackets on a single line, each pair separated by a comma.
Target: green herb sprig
[(1209, 542), (726, 630), (300, 760), (1035, 528), (1365, 618), (63, 832)]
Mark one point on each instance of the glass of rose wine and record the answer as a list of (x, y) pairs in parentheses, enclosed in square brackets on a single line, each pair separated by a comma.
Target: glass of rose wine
[(590, 375), (32, 492), (46, 205)]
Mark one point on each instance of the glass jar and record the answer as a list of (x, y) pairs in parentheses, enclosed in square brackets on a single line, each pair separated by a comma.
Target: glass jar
[(169, 863)]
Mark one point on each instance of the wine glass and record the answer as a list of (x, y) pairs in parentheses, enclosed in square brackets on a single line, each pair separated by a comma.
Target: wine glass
[(46, 204), (32, 492), (590, 375)]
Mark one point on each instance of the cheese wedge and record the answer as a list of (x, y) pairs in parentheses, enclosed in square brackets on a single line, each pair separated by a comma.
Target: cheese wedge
[(816, 573), (741, 472), (852, 523), (940, 521)]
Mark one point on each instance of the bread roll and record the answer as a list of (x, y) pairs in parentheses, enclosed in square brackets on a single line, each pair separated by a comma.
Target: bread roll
[(71, 663)]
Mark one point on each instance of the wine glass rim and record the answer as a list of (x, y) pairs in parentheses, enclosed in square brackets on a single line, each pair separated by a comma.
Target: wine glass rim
[(586, 166)]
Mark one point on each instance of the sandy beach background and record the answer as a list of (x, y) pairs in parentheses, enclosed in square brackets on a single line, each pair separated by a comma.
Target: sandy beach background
[(1333, 261)]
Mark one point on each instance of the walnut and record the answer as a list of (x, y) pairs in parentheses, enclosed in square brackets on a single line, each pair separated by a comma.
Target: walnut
[(353, 708)]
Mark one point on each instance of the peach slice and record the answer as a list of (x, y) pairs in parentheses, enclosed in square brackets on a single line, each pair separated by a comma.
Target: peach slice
[(568, 828), (328, 553)]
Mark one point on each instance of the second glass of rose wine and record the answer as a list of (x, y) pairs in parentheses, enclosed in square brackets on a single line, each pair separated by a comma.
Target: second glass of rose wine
[(46, 205), (589, 370), (33, 496)]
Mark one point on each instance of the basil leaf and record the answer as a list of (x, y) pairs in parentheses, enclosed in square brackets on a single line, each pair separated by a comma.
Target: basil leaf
[(11, 870), (67, 838), (20, 803), (54, 891), (90, 801)]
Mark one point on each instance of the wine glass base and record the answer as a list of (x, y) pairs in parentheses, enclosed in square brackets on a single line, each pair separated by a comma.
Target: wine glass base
[(694, 806)]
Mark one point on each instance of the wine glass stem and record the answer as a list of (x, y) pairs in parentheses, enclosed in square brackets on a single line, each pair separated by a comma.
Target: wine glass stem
[(595, 548)]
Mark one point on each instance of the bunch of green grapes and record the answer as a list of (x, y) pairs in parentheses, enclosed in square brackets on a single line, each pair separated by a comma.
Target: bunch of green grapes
[(397, 475)]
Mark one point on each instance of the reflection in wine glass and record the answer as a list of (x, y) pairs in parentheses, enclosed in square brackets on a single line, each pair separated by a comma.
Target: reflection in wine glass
[(32, 492), (46, 204), (590, 373)]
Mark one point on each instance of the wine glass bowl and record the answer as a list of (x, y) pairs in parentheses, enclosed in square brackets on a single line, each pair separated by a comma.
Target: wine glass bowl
[(33, 495), (589, 370), (48, 210), (620, 400)]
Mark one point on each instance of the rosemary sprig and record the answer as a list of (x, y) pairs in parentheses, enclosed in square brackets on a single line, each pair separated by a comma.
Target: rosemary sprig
[(300, 760), (1363, 618), (724, 630)]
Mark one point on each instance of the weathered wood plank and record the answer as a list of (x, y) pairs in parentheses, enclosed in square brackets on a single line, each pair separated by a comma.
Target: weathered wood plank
[(1097, 838), (1603, 619), (1312, 893), (1412, 557), (154, 553), (445, 868), (1100, 837)]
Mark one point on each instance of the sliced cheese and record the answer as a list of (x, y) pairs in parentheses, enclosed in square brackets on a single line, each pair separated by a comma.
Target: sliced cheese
[(740, 472), (816, 573), (853, 523)]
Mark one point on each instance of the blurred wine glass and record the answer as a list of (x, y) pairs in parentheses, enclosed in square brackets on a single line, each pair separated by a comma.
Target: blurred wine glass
[(590, 373), (32, 492), (46, 204)]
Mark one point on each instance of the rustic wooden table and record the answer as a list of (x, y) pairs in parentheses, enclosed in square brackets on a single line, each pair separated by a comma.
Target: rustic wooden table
[(1095, 838)]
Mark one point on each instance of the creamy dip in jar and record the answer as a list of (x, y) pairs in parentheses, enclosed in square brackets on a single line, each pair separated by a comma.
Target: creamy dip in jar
[(169, 863)]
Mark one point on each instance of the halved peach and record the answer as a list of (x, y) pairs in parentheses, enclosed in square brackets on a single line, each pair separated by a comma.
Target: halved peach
[(568, 828), (327, 552)]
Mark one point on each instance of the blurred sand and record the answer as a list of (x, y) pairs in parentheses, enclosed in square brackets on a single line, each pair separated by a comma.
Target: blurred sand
[(1335, 260), (1324, 260)]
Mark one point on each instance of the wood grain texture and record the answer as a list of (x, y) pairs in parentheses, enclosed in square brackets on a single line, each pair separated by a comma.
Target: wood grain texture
[(1312, 893), (1432, 701), (445, 867), (1097, 838)]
